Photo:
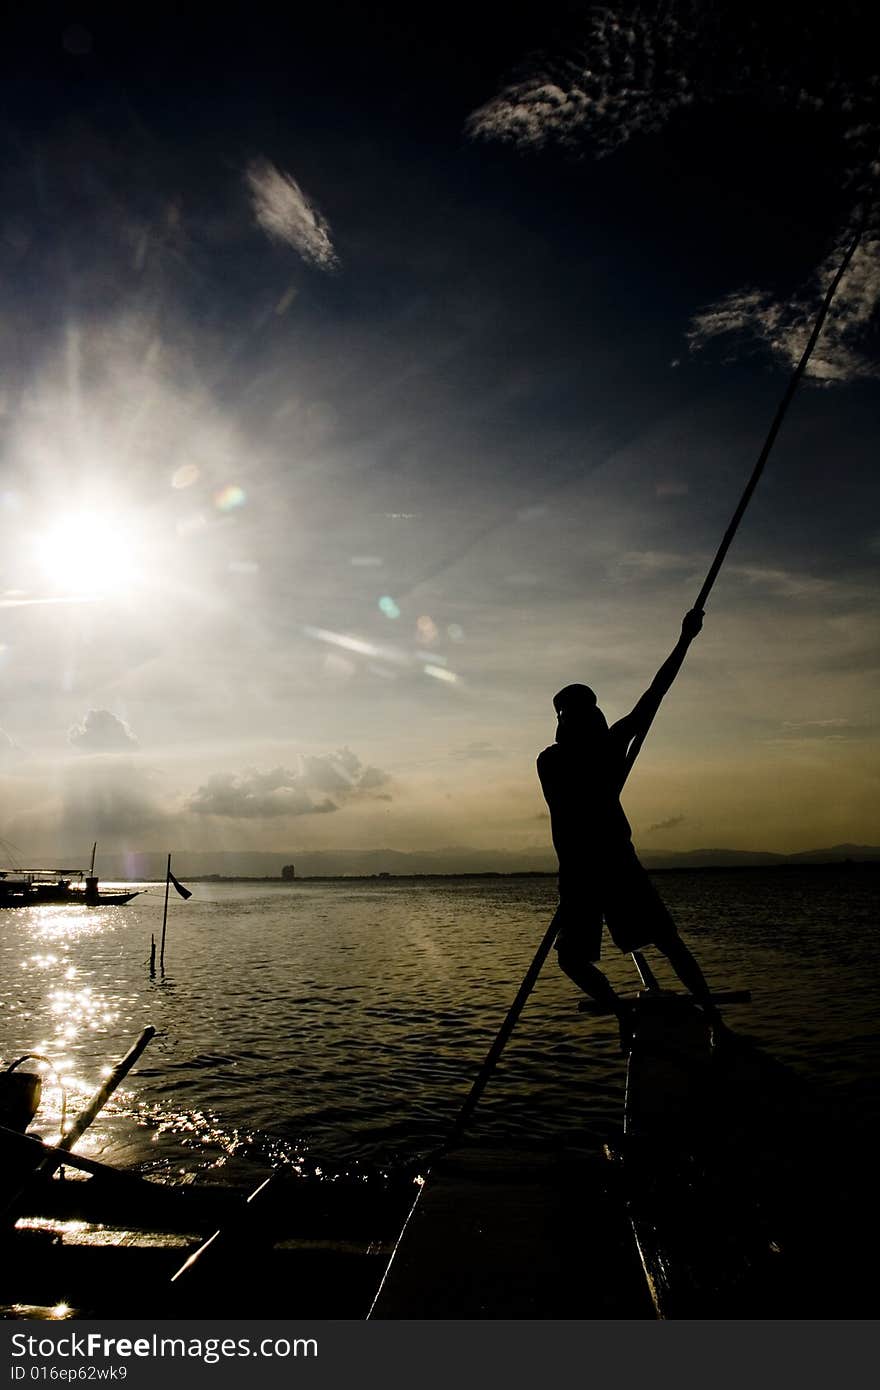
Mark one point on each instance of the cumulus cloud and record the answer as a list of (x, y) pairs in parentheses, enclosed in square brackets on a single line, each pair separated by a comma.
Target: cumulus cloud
[(372, 777), (101, 731), (256, 795), (321, 784), (669, 824), (287, 214)]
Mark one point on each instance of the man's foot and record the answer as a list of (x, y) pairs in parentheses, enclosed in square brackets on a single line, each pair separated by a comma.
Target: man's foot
[(719, 1032)]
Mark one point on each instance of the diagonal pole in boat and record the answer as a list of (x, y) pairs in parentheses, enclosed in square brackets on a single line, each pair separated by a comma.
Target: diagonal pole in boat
[(543, 950)]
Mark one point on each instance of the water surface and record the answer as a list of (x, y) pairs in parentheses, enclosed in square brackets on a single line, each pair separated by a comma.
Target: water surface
[(335, 1023)]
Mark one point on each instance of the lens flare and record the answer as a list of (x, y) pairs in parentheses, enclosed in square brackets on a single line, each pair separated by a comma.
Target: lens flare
[(230, 497), (185, 476), (440, 673)]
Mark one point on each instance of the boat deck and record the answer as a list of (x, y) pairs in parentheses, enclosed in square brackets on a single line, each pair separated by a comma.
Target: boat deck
[(515, 1235)]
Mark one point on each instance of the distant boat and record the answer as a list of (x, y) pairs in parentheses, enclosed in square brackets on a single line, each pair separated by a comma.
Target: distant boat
[(32, 887)]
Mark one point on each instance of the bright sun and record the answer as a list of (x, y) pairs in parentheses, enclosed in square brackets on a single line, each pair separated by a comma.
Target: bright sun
[(88, 555)]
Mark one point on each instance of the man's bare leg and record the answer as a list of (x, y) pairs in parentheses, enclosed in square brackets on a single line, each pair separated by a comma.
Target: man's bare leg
[(691, 976), (591, 980)]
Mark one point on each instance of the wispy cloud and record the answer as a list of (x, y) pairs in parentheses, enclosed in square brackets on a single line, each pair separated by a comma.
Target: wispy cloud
[(629, 75), (626, 71), (785, 583), (287, 214), (815, 724), (782, 326), (669, 824), (477, 751), (9, 749), (629, 70), (805, 731), (652, 562)]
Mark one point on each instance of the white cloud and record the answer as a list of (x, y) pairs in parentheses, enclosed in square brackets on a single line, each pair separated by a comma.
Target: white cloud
[(287, 214), (101, 731)]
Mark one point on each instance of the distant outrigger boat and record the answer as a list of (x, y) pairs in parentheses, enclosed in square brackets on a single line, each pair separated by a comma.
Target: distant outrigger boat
[(32, 887)]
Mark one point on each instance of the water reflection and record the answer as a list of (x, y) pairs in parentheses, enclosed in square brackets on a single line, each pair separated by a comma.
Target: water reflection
[(68, 1012)]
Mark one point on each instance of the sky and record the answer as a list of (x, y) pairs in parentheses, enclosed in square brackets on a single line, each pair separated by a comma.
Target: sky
[(367, 376)]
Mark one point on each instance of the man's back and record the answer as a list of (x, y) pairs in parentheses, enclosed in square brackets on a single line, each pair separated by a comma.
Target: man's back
[(581, 782)]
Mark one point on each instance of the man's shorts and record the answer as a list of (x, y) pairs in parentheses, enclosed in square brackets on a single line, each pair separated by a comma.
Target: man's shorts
[(619, 891)]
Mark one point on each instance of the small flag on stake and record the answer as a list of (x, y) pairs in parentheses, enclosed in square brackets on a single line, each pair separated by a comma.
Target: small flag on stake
[(184, 892)]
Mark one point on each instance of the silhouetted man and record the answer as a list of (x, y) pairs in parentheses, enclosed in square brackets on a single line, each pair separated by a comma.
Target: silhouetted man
[(582, 774)]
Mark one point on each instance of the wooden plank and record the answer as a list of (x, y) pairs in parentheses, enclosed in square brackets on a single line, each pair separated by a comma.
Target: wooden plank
[(513, 1235)]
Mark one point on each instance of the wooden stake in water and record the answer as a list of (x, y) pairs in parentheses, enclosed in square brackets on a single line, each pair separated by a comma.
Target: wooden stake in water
[(165, 916)]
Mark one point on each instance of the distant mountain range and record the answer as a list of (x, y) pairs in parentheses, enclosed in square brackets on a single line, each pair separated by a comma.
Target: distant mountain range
[(735, 858), (450, 860)]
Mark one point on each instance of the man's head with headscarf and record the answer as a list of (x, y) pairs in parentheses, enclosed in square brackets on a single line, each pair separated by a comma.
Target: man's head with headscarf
[(578, 715)]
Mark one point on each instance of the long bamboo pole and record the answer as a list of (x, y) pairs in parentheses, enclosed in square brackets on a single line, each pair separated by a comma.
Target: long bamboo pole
[(758, 469), (543, 950)]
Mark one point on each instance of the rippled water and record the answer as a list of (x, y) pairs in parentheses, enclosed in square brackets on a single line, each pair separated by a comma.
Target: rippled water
[(327, 1023)]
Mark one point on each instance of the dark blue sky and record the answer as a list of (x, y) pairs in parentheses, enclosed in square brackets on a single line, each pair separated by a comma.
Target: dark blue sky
[(395, 500)]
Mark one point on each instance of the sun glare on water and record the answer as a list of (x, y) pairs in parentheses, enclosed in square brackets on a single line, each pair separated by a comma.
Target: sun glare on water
[(89, 556)]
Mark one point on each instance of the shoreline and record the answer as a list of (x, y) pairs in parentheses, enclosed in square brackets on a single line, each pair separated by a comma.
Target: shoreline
[(857, 864)]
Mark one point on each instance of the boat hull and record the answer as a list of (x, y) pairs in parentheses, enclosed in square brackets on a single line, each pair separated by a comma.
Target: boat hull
[(59, 896)]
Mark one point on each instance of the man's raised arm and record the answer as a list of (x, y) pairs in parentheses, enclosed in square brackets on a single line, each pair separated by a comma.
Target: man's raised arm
[(638, 721)]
